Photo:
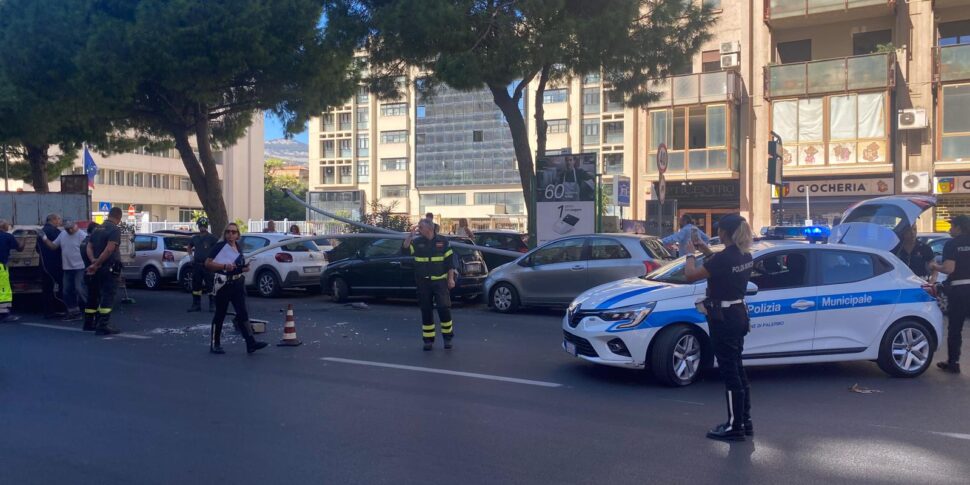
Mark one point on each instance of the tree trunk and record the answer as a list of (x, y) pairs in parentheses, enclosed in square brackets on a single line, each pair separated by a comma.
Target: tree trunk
[(540, 115), (37, 159), (523, 154), (215, 207)]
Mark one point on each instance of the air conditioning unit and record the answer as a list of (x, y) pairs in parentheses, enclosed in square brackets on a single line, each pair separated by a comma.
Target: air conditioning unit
[(912, 119), (730, 47), (916, 182), (729, 61)]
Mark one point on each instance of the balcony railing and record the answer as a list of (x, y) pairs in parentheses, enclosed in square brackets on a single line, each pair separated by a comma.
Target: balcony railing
[(953, 63), (872, 71), (707, 87), (784, 9)]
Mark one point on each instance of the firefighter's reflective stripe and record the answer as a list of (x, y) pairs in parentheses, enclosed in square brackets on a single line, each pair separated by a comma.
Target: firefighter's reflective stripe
[(438, 278), (197, 293), (427, 331), (446, 328), (433, 259), (90, 311), (448, 254), (412, 249), (6, 292), (420, 259), (104, 311)]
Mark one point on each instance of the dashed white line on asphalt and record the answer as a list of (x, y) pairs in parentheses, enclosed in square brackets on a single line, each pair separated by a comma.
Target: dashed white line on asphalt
[(959, 436), (685, 402), (443, 371), (73, 329)]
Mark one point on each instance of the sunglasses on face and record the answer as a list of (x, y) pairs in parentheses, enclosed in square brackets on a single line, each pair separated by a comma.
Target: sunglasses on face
[(230, 231)]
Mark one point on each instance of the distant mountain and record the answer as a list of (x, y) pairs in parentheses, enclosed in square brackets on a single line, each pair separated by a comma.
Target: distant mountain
[(289, 150)]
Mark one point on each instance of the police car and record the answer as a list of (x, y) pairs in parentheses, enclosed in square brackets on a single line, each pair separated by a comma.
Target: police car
[(807, 303)]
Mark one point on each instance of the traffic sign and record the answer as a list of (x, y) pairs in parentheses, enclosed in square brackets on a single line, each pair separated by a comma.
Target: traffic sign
[(621, 191), (131, 209), (104, 206), (662, 159), (662, 189)]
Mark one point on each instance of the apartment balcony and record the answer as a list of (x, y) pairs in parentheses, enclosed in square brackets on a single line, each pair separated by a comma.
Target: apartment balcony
[(804, 13), (952, 63), (846, 74), (699, 88)]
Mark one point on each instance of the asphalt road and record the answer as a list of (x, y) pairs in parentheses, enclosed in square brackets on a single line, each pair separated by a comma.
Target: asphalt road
[(360, 402)]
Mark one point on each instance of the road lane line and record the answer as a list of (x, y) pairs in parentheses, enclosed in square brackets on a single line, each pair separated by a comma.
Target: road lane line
[(443, 371), (695, 403), (73, 329)]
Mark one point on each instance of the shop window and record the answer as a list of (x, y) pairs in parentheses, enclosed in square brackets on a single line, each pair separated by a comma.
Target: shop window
[(795, 51), (955, 139), (871, 42), (856, 129)]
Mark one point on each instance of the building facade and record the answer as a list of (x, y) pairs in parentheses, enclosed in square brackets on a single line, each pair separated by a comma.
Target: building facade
[(157, 183), (869, 98), (450, 154)]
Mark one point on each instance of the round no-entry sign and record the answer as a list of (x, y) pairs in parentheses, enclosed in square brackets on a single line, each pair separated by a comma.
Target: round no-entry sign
[(662, 158)]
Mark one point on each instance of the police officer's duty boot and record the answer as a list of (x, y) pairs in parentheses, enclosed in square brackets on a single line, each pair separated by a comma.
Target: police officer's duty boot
[(244, 329), (215, 342), (89, 321), (746, 416), (104, 325), (196, 304), (732, 430)]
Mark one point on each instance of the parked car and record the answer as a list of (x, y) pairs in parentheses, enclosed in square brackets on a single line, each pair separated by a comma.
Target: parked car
[(377, 267), (555, 273), (156, 259), (501, 239), (935, 240), (298, 265)]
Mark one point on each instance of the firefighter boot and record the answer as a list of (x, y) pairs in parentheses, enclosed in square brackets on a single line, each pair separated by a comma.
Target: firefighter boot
[(104, 325), (196, 303), (732, 430), (89, 319)]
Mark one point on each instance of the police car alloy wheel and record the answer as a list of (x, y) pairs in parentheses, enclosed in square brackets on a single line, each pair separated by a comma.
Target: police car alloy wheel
[(906, 349), (677, 357), (504, 298), (268, 284)]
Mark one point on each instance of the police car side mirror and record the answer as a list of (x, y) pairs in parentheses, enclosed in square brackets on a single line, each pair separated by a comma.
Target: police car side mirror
[(752, 289), (525, 262)]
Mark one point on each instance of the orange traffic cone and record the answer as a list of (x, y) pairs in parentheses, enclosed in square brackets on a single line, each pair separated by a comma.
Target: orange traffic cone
[(289, 330)]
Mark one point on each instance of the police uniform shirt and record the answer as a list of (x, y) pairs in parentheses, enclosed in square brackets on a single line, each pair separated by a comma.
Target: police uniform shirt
[(433, 257), (917, 259), (239, 262), (958, 250), (108, 232), (202, 245), (729, 273)]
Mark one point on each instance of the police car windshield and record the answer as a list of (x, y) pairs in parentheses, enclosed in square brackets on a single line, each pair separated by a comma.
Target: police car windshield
[(673, 272)]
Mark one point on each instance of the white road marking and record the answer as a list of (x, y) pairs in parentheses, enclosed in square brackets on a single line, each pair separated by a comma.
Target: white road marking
[(959, 436), (443, 371), (685, 402), (73, 329)]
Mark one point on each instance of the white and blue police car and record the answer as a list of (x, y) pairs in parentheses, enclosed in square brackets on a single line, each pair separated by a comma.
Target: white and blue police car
[(807, 303)]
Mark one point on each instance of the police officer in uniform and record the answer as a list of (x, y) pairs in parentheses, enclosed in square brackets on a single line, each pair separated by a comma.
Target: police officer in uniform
[(956, 264), (199, 247), (227, 261), (727, 274), (102, 251), (434, 274)]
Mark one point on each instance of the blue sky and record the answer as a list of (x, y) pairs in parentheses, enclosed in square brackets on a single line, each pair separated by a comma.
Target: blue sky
[(274, 130)]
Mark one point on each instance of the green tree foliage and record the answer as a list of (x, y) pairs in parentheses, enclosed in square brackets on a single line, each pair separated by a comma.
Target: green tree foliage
[(44, 102), (177, 70), (504, 45), (278, 206), (381, 215)]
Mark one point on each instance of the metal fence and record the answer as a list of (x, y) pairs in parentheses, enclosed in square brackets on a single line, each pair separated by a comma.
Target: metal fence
[(306, 227)]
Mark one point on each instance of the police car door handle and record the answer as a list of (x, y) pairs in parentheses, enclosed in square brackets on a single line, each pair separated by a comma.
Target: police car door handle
[(803, 304), (396, 263), (578, 267)]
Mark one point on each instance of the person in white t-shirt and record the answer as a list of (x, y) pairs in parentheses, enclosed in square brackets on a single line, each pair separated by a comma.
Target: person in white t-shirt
[(70, 243)]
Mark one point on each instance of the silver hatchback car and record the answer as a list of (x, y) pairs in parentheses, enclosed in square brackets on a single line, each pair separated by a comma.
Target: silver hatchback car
[(555, 273), (156, 258)]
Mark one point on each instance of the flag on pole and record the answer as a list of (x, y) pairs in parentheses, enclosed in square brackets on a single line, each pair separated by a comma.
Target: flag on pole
[(90, 168)]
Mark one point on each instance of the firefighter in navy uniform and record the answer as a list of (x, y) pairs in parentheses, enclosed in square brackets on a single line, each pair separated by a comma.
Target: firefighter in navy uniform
[(434, 274), (727, 274), (102, 251), (956, 264), (199, 247)]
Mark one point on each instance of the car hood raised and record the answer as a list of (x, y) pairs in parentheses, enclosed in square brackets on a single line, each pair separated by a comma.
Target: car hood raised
[(628, 292)]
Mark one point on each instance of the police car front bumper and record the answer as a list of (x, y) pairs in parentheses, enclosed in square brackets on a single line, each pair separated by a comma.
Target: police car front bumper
[(589, 340)]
